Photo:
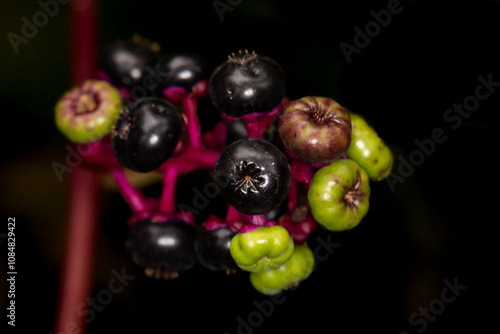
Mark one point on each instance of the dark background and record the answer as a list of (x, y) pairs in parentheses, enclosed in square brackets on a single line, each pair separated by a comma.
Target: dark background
[(436, 225)]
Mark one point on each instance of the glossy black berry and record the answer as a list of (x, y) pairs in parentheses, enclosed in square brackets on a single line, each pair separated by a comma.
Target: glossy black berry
[(126, 63), (212, 248), (247, 84), (253, 175), (167, 246), (146, 134), (183, 70)]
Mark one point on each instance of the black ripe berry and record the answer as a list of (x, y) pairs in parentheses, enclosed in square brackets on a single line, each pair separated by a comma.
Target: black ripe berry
[(248, 85), (126, 63), (253, 175), (146, 134), (183, 70), (212, 248), (166, 247)]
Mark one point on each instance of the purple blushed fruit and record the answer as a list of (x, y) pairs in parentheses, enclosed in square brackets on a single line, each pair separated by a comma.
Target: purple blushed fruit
[(88, 112), (315, 129)]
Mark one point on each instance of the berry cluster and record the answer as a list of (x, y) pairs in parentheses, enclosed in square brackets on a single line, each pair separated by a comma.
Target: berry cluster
[(314, 170)]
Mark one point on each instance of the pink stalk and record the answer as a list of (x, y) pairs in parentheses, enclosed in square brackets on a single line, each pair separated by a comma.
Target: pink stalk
[(233, 215), (167, 202), (131, 195), (189, 106), (83, 211), (252, 128), (188, 161), (258, 220)]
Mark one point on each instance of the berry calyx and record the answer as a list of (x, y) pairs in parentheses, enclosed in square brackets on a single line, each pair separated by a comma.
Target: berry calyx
[(253, 175), (162, 248), (88, 112), (262, 249), (339, 195), (315, 129), (247, 86), (146, 134)]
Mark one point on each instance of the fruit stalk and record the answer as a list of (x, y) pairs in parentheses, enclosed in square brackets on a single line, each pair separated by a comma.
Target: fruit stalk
[(252, 128), (188, 161), (131, 195), (77, 273), (167, 202), (189, 105)]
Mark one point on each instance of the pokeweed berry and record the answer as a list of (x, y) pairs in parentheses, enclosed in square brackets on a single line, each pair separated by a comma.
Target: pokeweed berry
[(262, 249), (212, 248), (146, 134), (339, 195), (315, 129), (369, 150), (88, 112), (247, 86), (183, 70), (162, 248), (296, 269), (127, 63), (253, 175)]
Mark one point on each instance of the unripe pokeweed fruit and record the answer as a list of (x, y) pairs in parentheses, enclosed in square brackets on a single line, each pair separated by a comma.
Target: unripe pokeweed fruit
[(315, 129), (88, 112), (369, 150), (262, 249), (296, 269), (339, 195), (253, 175), (247, 86)]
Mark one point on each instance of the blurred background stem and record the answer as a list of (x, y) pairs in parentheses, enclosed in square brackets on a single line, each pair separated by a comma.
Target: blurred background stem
[(83, 210)]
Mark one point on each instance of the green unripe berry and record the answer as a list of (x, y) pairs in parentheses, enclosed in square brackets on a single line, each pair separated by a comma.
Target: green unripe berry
[(262, 249), (339, 195), (369, 150), (88, 112), (296, 269)]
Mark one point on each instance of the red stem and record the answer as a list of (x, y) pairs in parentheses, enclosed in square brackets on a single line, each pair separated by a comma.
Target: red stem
[(167, 202), (83, 211), (131, 195), (189, 106), (188, 161), (252, 128)]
